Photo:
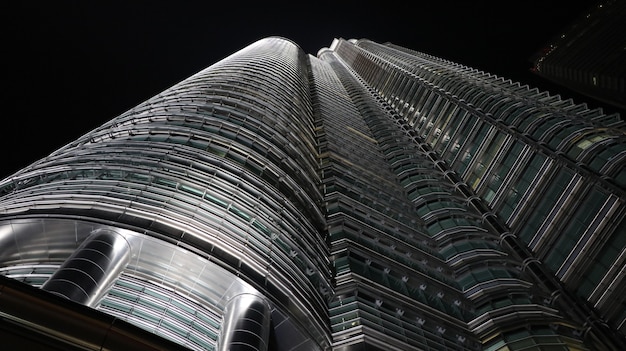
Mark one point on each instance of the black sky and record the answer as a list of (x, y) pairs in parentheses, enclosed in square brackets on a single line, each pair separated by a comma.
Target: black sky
[(72, 65)]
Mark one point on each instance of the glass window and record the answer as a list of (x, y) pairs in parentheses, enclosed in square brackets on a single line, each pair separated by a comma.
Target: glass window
[(501, 170), (604, 156), (519, 187), (483, 274), (471, 148), (484, 161), (460, 137), (576, 227), (585, 143), (565, 132), (546, 204)]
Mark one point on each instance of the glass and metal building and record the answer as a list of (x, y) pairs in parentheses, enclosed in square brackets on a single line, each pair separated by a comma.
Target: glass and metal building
[(589, 56), (370, 197)]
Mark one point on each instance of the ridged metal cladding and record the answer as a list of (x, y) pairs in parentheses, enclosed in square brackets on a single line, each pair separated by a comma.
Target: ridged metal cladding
[(447, 195), (87, 274), (542, 171), (247, 326), (221, 163)]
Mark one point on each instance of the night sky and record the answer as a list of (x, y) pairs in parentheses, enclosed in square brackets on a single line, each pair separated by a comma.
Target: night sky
[(72, 65)]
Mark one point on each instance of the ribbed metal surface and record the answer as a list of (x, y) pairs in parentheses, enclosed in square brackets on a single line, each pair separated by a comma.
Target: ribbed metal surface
[(58, 324), (551, 170), (90, 271), (223, 163), (163, 288), (372, 197), (248, 326)]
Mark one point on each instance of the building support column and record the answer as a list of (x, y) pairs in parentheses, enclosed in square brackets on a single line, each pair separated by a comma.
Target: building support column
[(86, 275), (246, 324)]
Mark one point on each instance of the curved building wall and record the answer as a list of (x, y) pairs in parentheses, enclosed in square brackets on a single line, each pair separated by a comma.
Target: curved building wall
[(221, 165), (370, 198)]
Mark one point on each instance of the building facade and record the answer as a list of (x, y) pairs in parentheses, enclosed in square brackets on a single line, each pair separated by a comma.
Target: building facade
[(368, 198), (588, 57)]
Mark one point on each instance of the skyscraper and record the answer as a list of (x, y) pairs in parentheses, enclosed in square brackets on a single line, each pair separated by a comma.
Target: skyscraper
[(589, 56), (369, 198)]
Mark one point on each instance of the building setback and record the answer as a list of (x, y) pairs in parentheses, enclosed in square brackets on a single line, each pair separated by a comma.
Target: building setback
[(369, 198)]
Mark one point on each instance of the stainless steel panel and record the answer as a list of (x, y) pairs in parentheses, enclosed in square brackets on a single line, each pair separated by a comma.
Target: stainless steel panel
[(86, 276), (246, 324)]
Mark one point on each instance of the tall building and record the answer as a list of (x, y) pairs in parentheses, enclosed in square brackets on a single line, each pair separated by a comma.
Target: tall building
[(589, 56), (371, 197)]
